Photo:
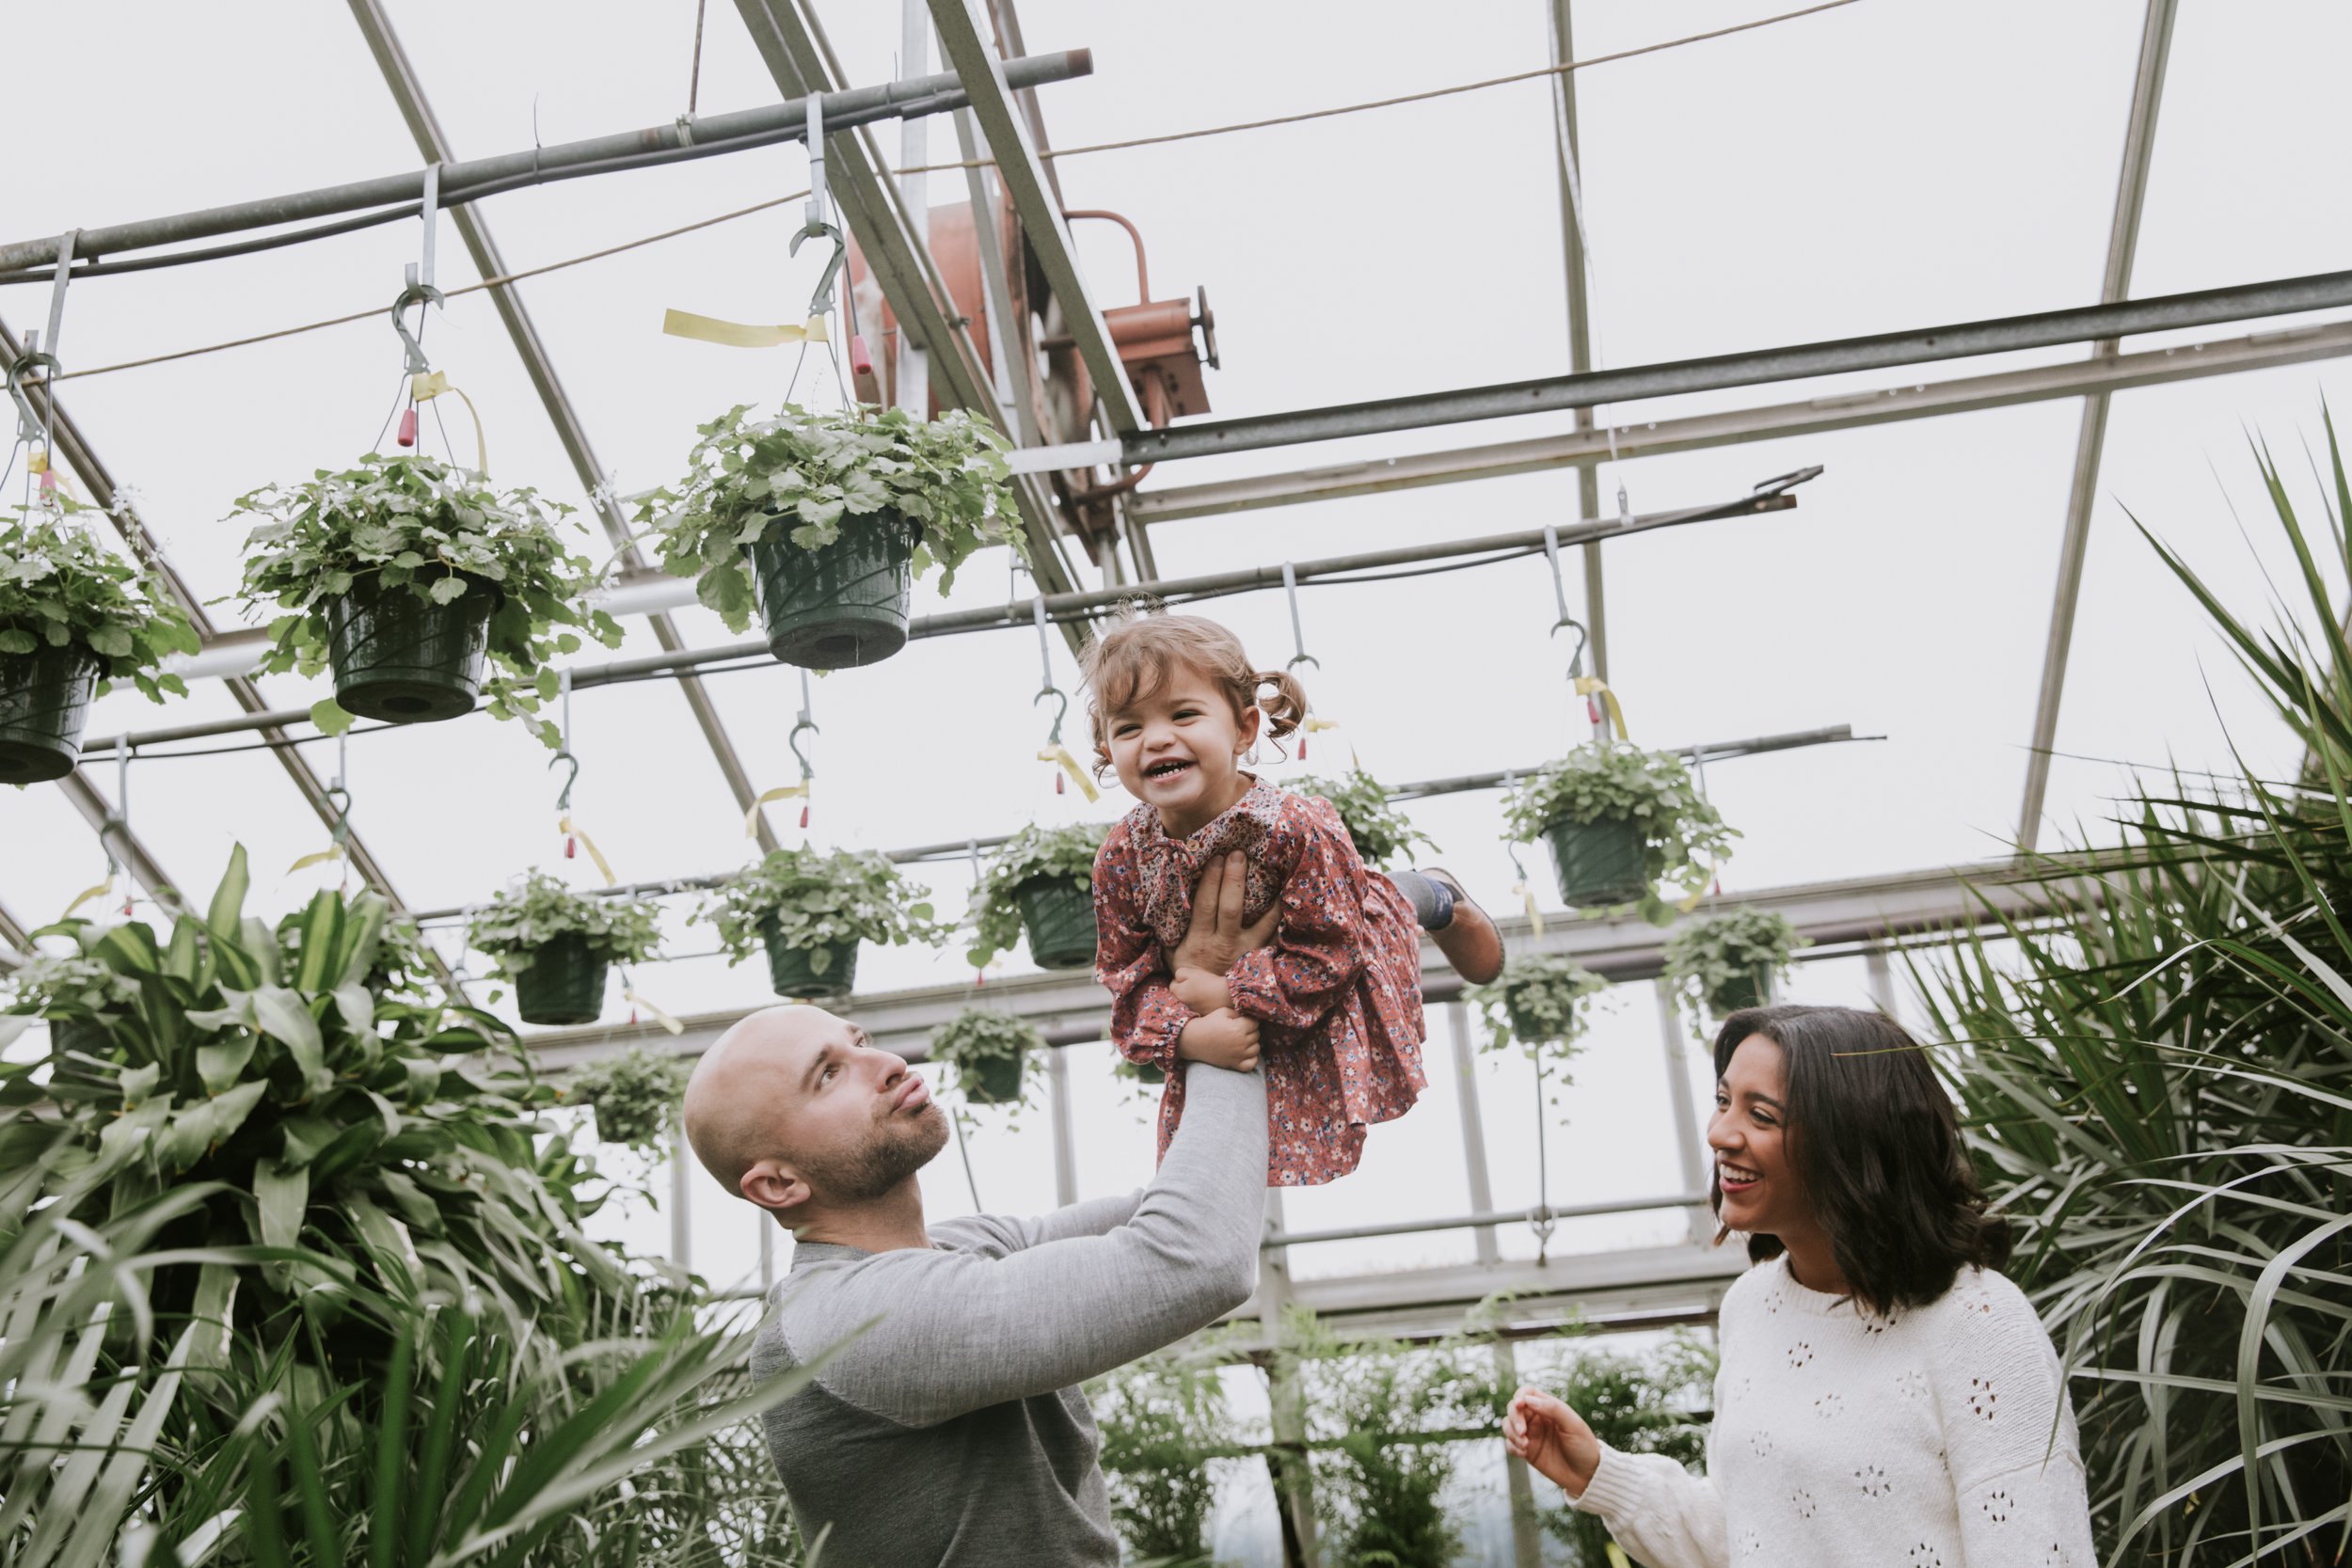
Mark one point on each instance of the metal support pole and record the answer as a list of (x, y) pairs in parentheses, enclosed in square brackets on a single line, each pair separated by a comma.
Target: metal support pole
[(1286, 1401), (681, 1202), (1687, 1144), (1065, 1150), (2131, 195), (914, 367), (1568, 154), (1008, 334), (1882, 979)]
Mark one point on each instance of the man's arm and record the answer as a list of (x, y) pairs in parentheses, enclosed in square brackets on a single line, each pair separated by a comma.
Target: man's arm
[(1092, 1217), (959, 1331)]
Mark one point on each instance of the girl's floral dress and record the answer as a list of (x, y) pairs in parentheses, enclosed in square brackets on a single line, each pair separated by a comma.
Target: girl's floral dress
[(1337, 993)]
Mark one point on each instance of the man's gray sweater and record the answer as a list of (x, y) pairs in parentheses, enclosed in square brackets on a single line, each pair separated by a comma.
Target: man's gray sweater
[(952, 1433)]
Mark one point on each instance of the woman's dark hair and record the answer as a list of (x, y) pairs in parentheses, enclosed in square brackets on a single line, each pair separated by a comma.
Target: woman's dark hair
[(1873, 1138)]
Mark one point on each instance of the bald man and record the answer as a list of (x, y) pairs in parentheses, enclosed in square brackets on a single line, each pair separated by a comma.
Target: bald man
[(952, 1432)]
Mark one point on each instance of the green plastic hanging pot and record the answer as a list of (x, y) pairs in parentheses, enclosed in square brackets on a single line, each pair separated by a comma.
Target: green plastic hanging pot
[(842, 604), (44, 701), (564, 983), (404, 659), (996, 1081), (1601, 863), (811, 973), (1060, 921), (1743, 991), (1150, 1073)]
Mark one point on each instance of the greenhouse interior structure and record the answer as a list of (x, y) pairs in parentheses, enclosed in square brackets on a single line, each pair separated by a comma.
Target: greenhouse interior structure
[(1832, 508)]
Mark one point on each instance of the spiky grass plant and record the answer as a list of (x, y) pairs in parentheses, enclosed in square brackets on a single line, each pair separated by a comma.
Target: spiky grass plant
[(2160, 1081)]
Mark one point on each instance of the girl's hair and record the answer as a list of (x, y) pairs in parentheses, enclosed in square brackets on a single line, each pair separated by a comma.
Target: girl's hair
[(1144, 647), (1872, 1138)]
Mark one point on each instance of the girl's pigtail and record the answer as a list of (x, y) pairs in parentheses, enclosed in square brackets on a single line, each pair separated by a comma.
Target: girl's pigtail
[(1285, 708)]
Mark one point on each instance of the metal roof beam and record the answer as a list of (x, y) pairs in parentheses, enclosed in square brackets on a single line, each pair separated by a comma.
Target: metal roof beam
[(408, 92), (1569, 157), (2131, 196), (1023, 174), (792, 44), (1771, 422)]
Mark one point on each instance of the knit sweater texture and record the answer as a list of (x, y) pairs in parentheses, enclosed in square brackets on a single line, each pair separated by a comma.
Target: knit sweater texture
[(1939, 1437)]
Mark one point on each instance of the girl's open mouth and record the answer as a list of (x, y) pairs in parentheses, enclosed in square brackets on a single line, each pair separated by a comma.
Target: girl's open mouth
[(1167, 769)]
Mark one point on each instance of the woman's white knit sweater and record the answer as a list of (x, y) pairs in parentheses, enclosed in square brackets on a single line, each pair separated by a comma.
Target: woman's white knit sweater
[(1941, 1437)]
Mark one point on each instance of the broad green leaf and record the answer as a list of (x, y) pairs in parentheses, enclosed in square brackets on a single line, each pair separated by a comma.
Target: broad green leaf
[(228, 906), (330, 717), (204, 1123), (220, 1063)]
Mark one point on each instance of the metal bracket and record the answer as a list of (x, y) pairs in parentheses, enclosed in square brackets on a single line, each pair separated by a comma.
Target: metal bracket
[(815, 224), (419, 290), (1298, 638)]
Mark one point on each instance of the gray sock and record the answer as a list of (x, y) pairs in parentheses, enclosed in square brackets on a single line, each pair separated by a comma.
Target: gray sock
[(1432, 900)]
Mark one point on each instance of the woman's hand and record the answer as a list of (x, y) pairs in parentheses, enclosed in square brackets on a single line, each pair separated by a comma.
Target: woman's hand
[(1552, 1438), (1218, 936)]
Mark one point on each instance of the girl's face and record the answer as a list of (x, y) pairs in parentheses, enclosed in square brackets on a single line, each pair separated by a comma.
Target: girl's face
[(1761, 1193), (1180, 750)]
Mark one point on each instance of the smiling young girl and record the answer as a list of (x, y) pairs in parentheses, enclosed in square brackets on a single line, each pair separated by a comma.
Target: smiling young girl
[(1886, 1399), (1335, 997)]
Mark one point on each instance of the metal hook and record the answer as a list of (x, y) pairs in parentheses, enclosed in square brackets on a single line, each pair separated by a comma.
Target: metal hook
[(1045, 657), (419, 290), (29, 424), (814, 221), (803, 722), (564, 800), (1298, 638), (564, 746)]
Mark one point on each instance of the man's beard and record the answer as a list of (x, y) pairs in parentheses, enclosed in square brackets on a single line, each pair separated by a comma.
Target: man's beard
[(900, 1145)]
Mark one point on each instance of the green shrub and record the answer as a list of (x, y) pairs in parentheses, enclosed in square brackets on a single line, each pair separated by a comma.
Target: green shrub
[(979, 1037), (1162, 1419), (634, 1096), (1716, 951), (513, 926), (814, 898), (1064, 854), (1684, 838), (1383, 833), (1541, 999)]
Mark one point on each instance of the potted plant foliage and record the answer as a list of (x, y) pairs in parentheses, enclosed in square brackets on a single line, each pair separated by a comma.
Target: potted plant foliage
[(74, 618), (1619, 822), (989, 1052), (408, 577), (78, 993), (1041, 880), (809, 909), (1542, 1000), (557, 945), (822, 518), (633, 1096), (1721, 963), (1149, 1077), (1382, 832)]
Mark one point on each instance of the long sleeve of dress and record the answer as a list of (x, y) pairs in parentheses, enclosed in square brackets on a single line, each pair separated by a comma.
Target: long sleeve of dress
[(1146, 1018), (1659, 1512), (2009, 1436), (1318, 943)]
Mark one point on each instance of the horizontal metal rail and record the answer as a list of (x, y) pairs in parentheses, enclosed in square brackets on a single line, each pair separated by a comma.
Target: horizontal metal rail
[(474, 178), (1773, 496), (1541, 1214), (1879, 350)]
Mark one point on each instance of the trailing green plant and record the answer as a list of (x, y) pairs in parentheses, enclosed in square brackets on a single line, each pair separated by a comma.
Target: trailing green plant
[(1383, 833), (1706, 956), (60, 588), (814, 899), (71, 985), (1034, 854), (1657, 1402), (1541, 999), (1683, 837), (634, 1096), (1162, 1419), (420, 526), (513, 926), (2155, 1076), (802, 473), (978, 1037)]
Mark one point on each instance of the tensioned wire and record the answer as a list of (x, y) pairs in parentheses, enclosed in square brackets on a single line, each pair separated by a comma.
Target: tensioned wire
[(503, 278)]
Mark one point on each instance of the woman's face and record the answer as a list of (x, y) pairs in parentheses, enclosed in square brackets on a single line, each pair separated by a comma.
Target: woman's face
[(1761, 1194)]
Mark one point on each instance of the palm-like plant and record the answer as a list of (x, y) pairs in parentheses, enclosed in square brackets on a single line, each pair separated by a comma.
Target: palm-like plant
[(2160, 1085)]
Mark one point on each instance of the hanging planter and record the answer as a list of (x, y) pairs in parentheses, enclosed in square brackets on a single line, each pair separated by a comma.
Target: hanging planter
[(80, 996), (1541, 999), (1040, 881), (635, 1097), (558, 945), (74, 618), (990, 1051), (1620, 822), (422, 588), (1382, 835), (1727, 962), (821, 520), (808, 910)]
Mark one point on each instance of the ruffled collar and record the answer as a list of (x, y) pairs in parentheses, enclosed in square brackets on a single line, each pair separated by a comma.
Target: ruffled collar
[(1168, 866)]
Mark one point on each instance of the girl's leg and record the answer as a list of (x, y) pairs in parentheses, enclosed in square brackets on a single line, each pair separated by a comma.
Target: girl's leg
[(1463, 931)]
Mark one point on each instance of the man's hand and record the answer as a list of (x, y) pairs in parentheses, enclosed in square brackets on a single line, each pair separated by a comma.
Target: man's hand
[(1225, 1038), (1218, 936), (1552, 1438), (1203, 991)]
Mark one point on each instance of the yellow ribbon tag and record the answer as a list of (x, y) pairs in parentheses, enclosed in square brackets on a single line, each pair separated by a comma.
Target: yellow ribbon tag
[(39, 462), (751, 817), (635, 1000), (100, 891), (428, 385), (1070, 766), (711, 329), (1592, 686), (1616, 1555), (1535, 912), (321, 857), (1714, 870), (573, 830)]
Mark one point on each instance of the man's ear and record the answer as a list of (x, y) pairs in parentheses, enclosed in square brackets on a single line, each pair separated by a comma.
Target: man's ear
[(775, 1187)]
